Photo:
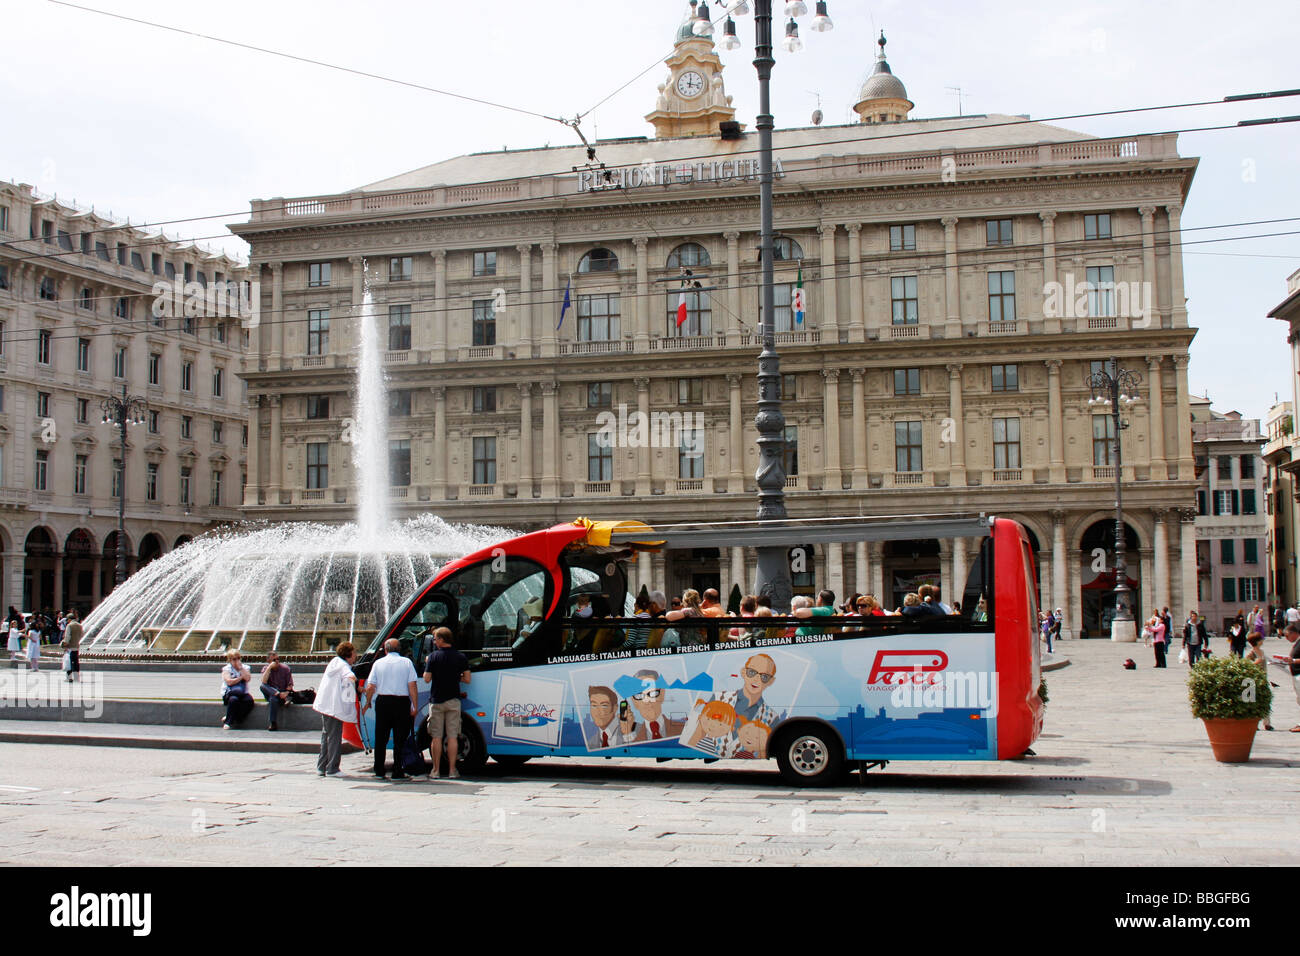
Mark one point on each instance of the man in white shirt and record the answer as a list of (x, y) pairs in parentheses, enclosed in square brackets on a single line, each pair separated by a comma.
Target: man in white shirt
[(392, 679)]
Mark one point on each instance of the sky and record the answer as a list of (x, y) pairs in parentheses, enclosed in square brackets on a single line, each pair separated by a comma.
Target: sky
[(158, 126)]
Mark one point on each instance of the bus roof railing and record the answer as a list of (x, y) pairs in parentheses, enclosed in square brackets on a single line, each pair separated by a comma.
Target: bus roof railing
[(815, 531)]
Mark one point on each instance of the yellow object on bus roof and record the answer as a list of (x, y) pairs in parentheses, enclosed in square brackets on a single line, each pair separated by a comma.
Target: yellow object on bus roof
[(600, 532)]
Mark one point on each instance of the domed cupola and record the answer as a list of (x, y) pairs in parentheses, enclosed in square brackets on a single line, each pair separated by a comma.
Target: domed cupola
[(883, 98), (692, 100)]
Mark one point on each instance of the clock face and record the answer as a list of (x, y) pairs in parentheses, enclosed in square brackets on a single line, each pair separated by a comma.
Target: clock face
[(690, 84)]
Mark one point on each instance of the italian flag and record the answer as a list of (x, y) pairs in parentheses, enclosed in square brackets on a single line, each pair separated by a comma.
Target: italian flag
[(796, 300), (681, 309)]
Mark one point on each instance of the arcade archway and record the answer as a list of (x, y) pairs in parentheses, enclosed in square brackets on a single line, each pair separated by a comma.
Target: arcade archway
[(1097, 576)]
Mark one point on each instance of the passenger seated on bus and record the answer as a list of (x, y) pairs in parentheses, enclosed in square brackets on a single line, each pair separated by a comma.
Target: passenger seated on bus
[(912, 606), (825, 608), (608, 638), (929, 594), (690, 609), (532, 612)]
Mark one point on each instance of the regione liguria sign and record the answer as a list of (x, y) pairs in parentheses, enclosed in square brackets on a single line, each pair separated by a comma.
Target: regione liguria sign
[(670, 174)]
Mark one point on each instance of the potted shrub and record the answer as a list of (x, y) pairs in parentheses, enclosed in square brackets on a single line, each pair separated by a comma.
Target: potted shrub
[(1231, 696)]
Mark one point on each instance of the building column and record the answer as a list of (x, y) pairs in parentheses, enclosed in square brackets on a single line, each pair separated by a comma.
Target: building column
[(1160, 559), (96, 583), (857, 320), (527, 467), (1187, 563), (1177, 300), (960, 571), (58, 582), (859, 427), (1150, 292), (1046, 583), (876, 572), (835, 568), (1144, 595), (277, 315), (1074, 607), (643, 452), (951, 283), (829, 304), (833, 480), (956, 411), (1055, 423), (1051, 323), (251, 495), (441, 448), (945, 567), (1156, 398), (735, 435), (737, 574), (276, 475), (643, 304), (1184, 420), (861, 584), (525, 250), (1062, 596), (552, 295), (441, 318), (550, 436), (734, 318)]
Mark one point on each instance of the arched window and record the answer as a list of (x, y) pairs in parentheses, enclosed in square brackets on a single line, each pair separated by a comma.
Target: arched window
[(688, 255), (598, 260), (786, 248)]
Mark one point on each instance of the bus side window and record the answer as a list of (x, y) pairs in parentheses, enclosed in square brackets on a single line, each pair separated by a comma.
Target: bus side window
[(417, 634)]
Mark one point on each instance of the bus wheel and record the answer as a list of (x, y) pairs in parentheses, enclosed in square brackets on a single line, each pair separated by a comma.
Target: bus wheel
[(809, 756), (511, 761), (472, 755)]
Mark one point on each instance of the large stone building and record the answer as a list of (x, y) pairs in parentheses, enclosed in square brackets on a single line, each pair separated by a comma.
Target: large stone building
[(1232, 528), (77, 324), (1282, 457), (942, 364)]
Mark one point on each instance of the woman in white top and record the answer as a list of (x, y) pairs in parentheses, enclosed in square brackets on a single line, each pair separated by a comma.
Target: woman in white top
[(15, 638), (34, 646), (336, 702)]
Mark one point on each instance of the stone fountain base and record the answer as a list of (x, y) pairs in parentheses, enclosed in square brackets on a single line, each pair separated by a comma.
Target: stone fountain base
[(171, 640)]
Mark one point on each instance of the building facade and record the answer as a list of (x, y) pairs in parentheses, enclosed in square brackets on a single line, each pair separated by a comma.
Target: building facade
[(534, 303), (1232, 527), (78, 324), (1282, 455)]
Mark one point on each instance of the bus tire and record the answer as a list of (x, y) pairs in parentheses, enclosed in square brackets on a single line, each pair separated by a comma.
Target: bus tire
[(512, 761), (472, 755), (809, 755)]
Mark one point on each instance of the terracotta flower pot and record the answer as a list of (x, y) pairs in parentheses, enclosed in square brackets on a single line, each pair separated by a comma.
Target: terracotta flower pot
[(1231, 737)]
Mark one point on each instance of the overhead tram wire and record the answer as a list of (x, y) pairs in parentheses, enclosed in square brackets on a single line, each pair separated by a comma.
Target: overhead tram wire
[(148, 329)]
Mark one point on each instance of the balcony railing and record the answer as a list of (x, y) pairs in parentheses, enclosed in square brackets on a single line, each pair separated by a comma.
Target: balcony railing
[(595, 348), (690, 484), (399, 492), (1103, 473), (482, 491), (1001, 475), (598, 487), (792, 481), (908, 478), (687, 343)]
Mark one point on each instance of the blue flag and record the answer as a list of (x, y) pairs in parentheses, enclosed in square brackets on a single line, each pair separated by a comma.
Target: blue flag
[(565, 307)]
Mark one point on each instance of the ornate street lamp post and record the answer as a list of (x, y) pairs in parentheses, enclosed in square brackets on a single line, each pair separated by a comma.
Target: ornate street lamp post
[(773, 563), (1112, 387), (127, 410)]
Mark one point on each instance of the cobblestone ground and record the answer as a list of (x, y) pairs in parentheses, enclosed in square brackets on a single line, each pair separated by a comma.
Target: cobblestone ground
[(1122, 776)]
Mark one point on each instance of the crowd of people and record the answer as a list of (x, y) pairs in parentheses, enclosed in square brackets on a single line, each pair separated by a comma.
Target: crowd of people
[(28, 633)]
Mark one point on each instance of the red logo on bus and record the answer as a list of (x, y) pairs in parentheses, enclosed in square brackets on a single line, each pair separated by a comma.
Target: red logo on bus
[(900, 667)]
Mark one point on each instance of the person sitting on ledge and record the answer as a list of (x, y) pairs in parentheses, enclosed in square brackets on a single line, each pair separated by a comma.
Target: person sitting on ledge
[(276, 685)]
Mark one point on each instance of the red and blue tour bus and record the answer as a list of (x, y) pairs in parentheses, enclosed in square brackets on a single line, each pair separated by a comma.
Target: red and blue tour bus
[(820, 695)]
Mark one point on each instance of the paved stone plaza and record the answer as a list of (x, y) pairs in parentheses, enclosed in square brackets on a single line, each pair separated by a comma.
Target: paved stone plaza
[(1123, 776)]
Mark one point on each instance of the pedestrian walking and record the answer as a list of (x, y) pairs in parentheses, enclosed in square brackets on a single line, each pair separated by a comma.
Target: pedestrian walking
[(445, 670), (34, 645), (1256, 653), (71, 644), (1195, 637), (1158, 635), (336, 702), (234, 691), (15, 643), (1292, 634), (392, 680), (1237, 635)]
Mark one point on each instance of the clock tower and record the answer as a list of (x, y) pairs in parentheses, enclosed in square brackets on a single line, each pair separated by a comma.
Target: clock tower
[(692, 101)]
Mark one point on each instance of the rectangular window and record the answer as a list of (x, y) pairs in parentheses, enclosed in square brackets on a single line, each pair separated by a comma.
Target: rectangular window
[(318, 331), (43, 404), (318, 406), (185, 485), (156, 264), (600, 457), (153, 422), (699, 314), (399, 462), (187, 376), (137, 261), (83, 411), (998, 232), (188, 271), (85, 301), (1096, 226), (1101, 290), (218, 382), (399, 269), (169, 270), (485, 322), (219, 332), (47, 231), (598, 318), (782, 295), (119, 362), (4, 277), (117, 478), (215, 499), (101, 250), (43, 340), (1248, 501), (187, 426), (484, 399), (318, 274), (1250, 589), (218, 433), (790, 455), (318, 465), (41, 477), (151, 482), (48, 290), (1006, 443), (1002, 297), (1227, 553), (1250, 551), (83, 355), (1226, 503), (690, 391), (1247, 468), (903, 300), (1223, 467), (907, 381), (485, 263), (122, 254), (4, 218), (1229, 590), (399, 403), (485, 461), (789, 387), (907, 446), (600, 395), (690, 454), (902, 238), (399, 328), (1006, 378), (123, 308), (79, 475), (1103, 437), (155, 368)]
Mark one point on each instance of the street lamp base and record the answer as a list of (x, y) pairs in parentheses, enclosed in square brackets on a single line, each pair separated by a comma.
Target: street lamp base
[(1123, 632)]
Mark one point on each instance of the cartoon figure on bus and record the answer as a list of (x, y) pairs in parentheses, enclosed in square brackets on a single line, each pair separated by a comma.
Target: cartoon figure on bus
[(751, 715), (751, 738), (714, 728), (648, 703), (600, 728)]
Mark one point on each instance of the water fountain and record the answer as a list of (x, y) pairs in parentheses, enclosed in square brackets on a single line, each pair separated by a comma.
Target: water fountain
[(296, 588)]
